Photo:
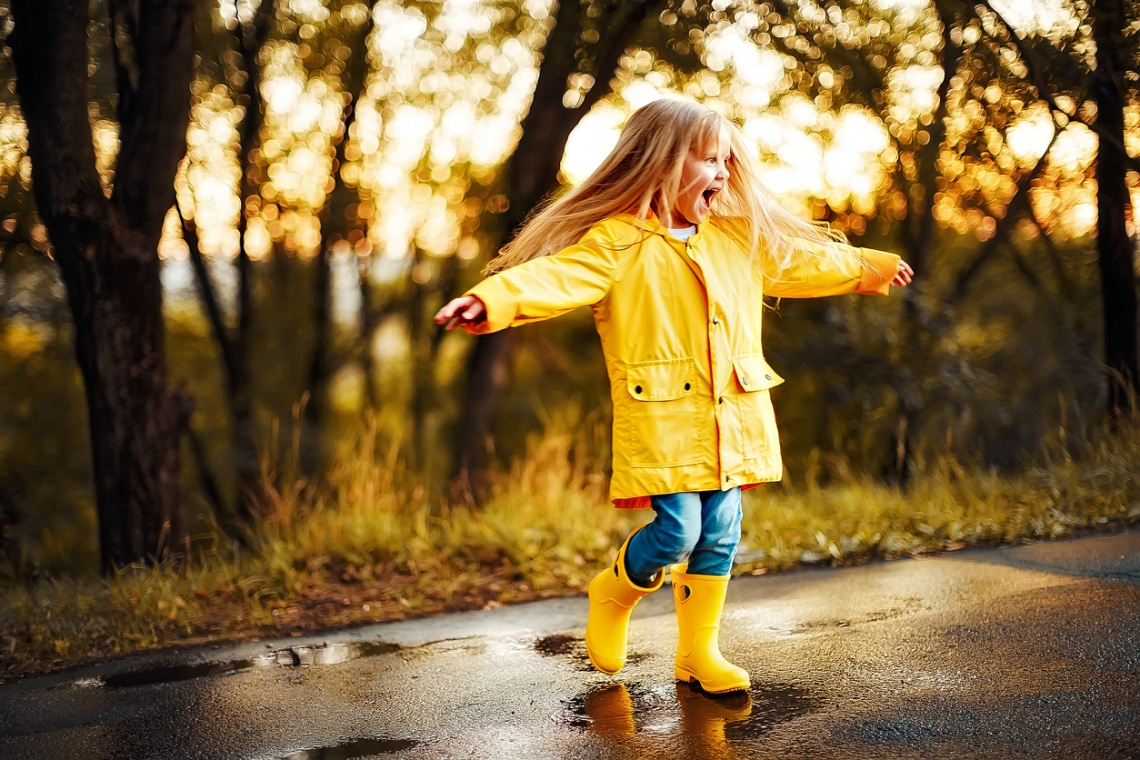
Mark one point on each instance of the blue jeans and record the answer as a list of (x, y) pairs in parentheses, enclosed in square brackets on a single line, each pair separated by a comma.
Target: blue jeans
[(703, 526)]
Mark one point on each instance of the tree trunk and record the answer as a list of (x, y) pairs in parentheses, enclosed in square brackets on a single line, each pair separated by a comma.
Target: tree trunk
[(107, 251), (919, 231), (335, 224), (1115, 249), (368, 324), (234, 349), (251, 39), (224, 511)]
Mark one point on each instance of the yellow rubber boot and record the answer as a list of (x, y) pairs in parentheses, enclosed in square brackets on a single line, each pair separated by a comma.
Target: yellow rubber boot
[(612, 599), (700, 602)]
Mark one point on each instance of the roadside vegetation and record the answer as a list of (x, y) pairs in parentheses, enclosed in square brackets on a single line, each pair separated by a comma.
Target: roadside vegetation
[(370, 545)]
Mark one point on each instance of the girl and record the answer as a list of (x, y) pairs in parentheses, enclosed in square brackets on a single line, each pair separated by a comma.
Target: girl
[(673, 243)]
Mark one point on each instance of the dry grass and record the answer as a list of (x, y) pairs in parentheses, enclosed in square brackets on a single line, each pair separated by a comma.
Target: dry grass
[(949, 507), (373, 546)]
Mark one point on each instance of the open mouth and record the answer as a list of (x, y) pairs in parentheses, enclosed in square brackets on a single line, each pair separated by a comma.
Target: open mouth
[(707, 196)]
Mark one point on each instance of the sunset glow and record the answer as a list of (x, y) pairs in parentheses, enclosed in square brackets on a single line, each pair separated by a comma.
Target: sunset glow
[(445, 97)]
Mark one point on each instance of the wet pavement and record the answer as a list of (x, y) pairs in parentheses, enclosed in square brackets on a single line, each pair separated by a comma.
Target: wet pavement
[(1017, 652)]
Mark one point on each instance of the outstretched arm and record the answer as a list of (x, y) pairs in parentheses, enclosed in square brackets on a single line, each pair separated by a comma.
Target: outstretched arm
[(840, 269), (539, 289)]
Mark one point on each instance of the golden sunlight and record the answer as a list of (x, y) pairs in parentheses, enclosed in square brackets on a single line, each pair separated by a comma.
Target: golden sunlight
[(594, 137), (1030, 134), (448, 87), (1045, 17)]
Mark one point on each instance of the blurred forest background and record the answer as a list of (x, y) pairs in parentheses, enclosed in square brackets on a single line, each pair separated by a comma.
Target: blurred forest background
[(225, 225)]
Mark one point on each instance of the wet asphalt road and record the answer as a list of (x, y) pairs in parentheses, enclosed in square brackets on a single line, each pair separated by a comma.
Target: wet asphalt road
[(1017, 652)]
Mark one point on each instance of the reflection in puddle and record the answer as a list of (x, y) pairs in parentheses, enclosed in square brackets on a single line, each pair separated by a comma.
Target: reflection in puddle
[(294, 657), (707, 718), (710, 724), (610, 710), (353, 748)]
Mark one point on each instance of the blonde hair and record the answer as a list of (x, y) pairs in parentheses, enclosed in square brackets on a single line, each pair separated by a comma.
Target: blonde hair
[(642, 174)]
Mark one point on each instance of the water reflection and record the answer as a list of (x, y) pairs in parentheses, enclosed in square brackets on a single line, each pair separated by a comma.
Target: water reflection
[(704, 718), (708, 726), (610, 710)]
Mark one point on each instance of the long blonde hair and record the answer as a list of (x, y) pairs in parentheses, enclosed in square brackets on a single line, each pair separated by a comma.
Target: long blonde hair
[(642, 174)]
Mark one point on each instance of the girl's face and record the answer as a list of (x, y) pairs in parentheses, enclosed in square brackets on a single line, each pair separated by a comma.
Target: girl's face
[(703, 175)]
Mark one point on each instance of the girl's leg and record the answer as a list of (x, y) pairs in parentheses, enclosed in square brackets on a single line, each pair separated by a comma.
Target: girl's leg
[(613, 595), (699, 590), (637, 571), (720, 533), (670, 538)]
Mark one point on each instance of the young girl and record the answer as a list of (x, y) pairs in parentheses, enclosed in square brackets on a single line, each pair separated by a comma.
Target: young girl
[(673, 244)]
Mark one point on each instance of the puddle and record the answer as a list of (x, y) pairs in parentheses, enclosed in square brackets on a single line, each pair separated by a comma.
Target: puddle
[(353, 748), (574, 648), (565, 645), (558, 644), (619, 711), (291, 657), (179, 673), (615, 709), (772, 705)]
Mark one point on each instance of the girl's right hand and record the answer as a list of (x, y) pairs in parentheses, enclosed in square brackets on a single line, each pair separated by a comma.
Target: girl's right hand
[(464, 312), (904, 275)]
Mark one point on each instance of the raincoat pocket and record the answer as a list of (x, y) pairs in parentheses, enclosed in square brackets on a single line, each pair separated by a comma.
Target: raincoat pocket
[(758, 435), (662, 419)]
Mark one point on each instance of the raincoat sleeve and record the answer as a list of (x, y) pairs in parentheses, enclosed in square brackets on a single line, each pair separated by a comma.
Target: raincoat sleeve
[(547, 287), (839, 269)]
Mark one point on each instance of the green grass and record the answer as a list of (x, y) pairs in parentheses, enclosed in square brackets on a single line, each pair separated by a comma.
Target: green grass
[(371, 545)]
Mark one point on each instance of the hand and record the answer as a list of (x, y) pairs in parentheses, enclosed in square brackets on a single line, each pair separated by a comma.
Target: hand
[(461, 312), (904, 275)]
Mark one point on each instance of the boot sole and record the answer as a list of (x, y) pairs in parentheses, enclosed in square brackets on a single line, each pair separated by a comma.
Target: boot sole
[(692, 679)]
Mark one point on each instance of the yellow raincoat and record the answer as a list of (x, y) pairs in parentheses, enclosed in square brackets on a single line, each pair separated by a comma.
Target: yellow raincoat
[(680, 329)]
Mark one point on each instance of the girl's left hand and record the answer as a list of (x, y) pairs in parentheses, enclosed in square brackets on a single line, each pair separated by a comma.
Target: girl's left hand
[(904, 275)]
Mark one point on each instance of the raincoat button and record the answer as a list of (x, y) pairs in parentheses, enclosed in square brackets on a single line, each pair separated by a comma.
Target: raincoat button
[(637, 389), (716, 320), (744, 381), (767, 377), (721, 400), (687, 386)]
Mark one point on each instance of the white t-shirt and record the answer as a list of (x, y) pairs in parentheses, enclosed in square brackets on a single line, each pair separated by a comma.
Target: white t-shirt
[(684, 233)]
